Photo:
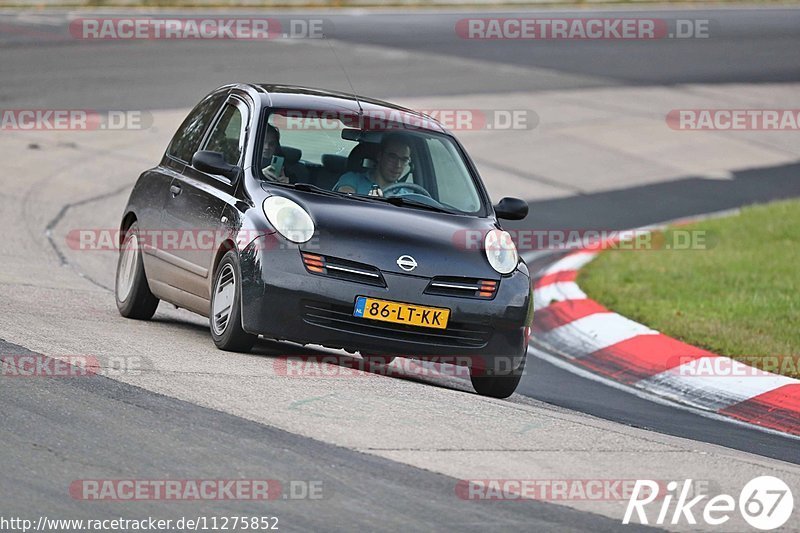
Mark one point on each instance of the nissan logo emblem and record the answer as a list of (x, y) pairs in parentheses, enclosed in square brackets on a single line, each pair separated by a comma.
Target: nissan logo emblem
[(407, 263)]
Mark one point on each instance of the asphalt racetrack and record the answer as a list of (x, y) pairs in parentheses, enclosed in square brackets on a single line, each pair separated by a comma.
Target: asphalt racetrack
[(388, 452)]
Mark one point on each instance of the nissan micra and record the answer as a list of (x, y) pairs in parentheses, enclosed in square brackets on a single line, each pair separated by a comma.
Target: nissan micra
[(329, 219)]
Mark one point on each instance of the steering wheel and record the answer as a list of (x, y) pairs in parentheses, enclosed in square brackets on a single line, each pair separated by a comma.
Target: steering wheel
[(419, 189)]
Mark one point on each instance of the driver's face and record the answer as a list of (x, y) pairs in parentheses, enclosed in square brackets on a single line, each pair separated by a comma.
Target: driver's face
[(393, 161)]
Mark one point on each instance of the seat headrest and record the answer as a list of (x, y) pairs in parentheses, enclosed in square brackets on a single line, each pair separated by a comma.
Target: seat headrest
[(363, 151), (334, 163), (291, 155)]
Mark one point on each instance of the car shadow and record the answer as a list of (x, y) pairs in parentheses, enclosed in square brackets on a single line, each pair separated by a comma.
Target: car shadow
[(424, 372), (311, 361)]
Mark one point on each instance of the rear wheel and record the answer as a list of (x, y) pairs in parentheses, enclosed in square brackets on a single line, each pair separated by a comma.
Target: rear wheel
[(498, 384), (226, 315), (134, 299)]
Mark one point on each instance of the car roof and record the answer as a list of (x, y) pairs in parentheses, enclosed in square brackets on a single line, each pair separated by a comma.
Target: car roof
[(309, 98)]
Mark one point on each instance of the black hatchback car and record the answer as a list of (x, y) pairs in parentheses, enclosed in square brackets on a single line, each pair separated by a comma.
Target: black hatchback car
[(328, 219)]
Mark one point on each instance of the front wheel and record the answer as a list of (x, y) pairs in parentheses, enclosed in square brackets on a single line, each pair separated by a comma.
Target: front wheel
[(226, 315), (499, 384), (134, 299)]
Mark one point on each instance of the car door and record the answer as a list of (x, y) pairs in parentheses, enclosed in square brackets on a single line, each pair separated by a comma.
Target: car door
[(158, 258), (196, 204)]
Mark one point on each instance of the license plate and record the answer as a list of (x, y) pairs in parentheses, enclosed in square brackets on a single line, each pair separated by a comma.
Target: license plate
[(399, 313)]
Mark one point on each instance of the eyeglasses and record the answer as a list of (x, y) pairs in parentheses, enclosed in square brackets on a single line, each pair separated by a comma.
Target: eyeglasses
[(394, 158)]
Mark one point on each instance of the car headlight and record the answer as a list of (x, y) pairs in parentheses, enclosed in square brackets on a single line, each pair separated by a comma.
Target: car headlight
[(501, 251), (289, 219)]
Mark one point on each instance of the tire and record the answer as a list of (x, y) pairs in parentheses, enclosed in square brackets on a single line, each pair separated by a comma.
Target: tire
[(131, 291), (497, 385), (225, 317)]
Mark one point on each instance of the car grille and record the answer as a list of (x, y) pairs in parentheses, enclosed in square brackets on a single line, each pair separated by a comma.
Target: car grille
[(341, 318)]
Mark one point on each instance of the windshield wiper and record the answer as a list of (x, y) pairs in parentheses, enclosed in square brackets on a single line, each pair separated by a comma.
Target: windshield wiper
[(313, 188), (308, 187), (400, 200)]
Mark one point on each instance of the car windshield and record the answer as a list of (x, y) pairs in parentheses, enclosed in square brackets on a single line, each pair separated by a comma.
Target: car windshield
[(353, 156)]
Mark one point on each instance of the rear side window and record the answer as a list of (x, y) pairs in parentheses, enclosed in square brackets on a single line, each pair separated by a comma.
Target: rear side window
[(187, 140)]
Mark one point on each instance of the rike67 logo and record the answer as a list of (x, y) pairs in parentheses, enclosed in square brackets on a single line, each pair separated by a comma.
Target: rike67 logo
[(765, 503)]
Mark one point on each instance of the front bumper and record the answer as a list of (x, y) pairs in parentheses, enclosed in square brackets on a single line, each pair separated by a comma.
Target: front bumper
[(282, 300)]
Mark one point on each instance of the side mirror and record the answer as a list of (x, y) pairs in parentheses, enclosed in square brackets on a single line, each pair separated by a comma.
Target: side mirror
[(511, 209), (214, 163)]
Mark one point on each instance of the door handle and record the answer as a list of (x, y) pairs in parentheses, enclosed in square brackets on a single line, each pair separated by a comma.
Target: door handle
[(175, 190)]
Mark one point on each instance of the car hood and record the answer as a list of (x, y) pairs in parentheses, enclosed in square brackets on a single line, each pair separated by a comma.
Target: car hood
[(378, 234)]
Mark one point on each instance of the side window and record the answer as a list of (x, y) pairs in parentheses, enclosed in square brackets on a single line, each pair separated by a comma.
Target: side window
[(187, 139), (226, 137)]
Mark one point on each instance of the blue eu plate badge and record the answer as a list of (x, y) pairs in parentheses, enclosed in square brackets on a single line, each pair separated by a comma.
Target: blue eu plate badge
[(361, 303)]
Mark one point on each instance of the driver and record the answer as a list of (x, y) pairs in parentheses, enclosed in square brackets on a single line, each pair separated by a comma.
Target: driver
[(394, 156)]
